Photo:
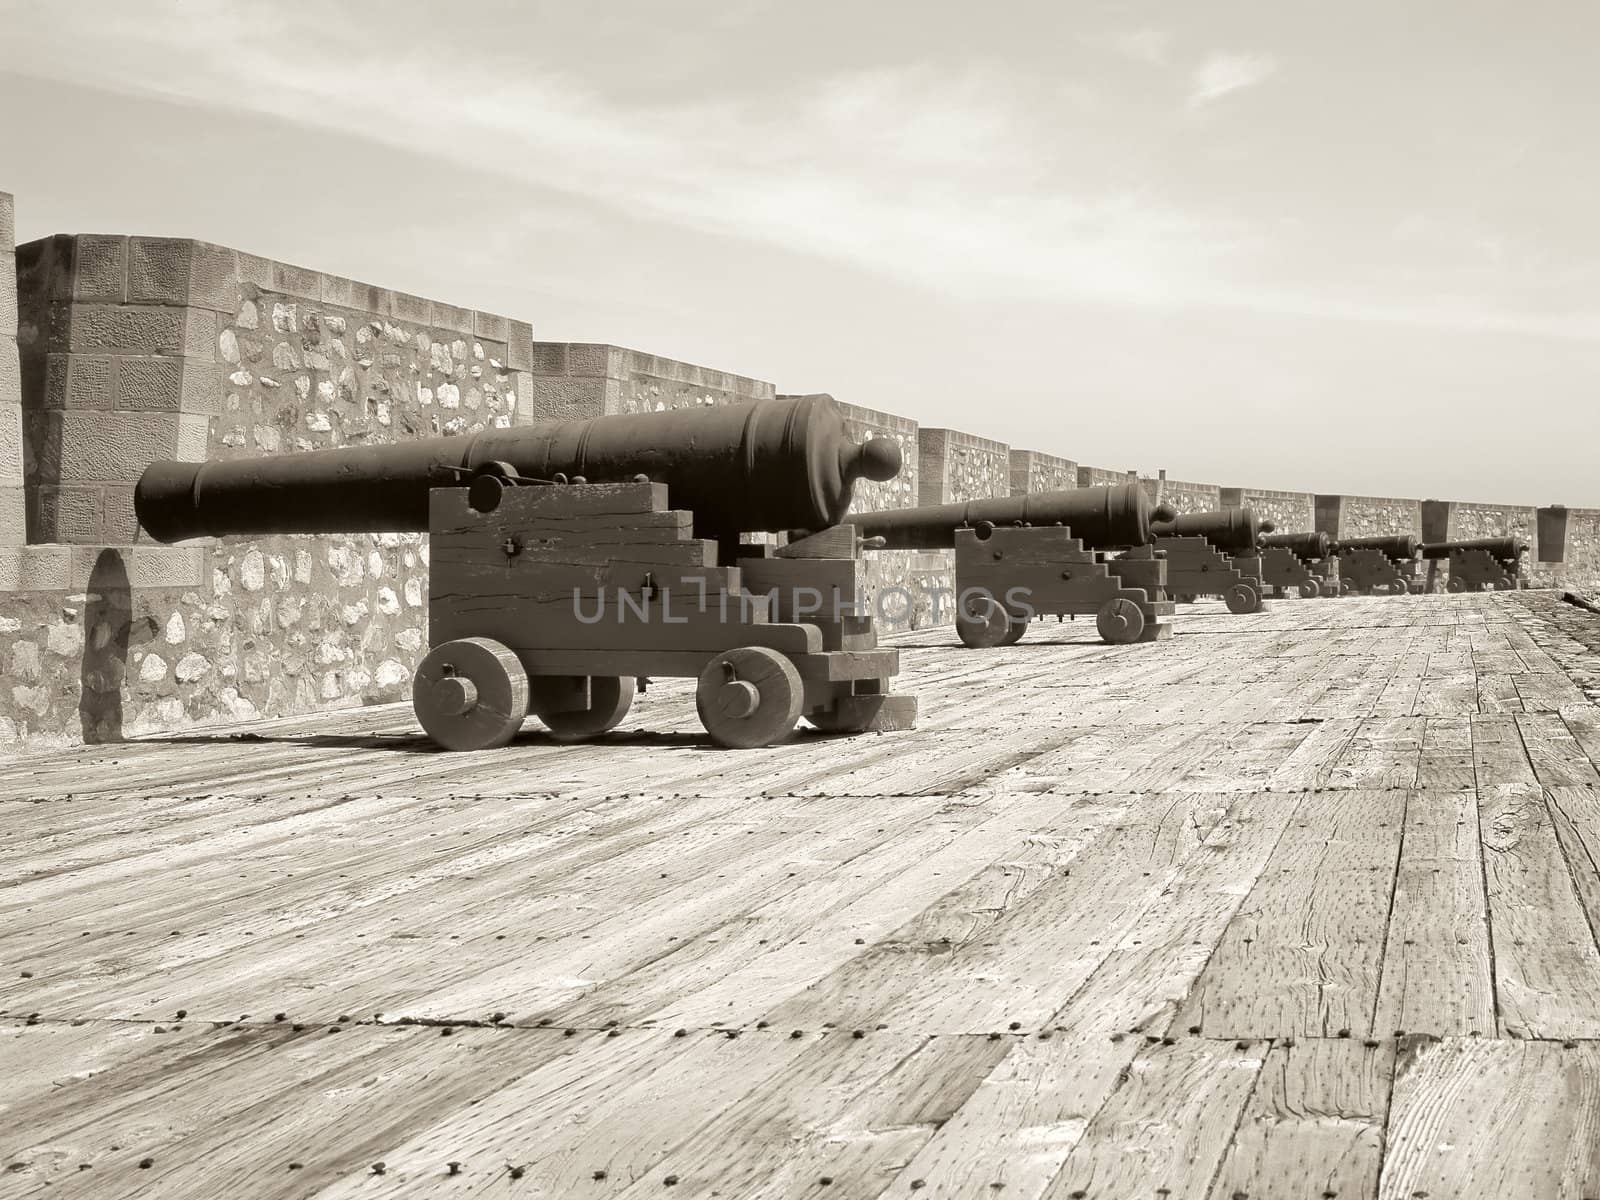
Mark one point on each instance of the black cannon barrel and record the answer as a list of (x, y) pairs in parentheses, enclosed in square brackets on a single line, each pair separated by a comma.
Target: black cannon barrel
[(1103, 517), (1502, 549), (1393, 545), (770, 465), (1301, 545), (1229, 530)]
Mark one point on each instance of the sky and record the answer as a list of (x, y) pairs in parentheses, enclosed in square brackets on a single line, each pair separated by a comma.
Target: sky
[(1340, 247)]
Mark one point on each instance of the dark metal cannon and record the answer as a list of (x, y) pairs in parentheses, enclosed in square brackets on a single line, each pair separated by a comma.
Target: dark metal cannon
[(1102, 518), (1018, 557), (1230, 530), (1303, 561), (1214, 554), (1386, 563), (1478, 564), (558, 574), (768, 466)]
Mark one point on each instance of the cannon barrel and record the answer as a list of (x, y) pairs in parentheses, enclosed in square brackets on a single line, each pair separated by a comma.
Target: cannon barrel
[(1103, 517), (1229, 530), (1301, 545), (1392, 545), (767, 466), (1502, 549)]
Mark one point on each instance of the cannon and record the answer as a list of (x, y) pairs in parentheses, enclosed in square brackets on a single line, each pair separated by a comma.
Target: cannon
[(1303, 561), (559, 575), (1213, 554), (1043, 553), (1479, 564), (1384, 564)]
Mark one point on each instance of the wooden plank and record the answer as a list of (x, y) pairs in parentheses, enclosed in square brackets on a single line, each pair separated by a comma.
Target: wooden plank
[(1436, 975), (1165, 1129), (1301, 958), (1314, 1125), (1474, 1117), (1547, 968)]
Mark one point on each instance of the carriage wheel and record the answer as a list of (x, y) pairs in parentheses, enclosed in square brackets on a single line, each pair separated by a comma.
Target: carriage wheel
[(610, 698), (1456, 585), (1310, 590), (982, 623), (1119, 622), (1242, 598), (470, 694), (749, 697)]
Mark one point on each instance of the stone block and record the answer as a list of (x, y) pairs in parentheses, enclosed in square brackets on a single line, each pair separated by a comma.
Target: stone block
[(522, 385), (589, 360), (79, 380), (179, 271), (1551, 537), (416, 309), (35, 568), (144, 329), (100, 271), (168, 567), (154, 383), (489, 326), (8, 294), (74, 447), (1327, 514), (68, 514), (120, 522), (1436, 520), (256, 271), (13, 515), (296, 281), (363, 297), (548, 358), (448, 316), (10, 372), (1232, 497), (8, 221), (557, 398), (519, 345), (11, 446)]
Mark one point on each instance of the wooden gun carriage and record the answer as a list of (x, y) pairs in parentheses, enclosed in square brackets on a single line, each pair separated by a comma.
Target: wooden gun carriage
[(1303, 561), (561, 572), (1479, 564), (1213, 554), (1040, 554), (1384, 565)]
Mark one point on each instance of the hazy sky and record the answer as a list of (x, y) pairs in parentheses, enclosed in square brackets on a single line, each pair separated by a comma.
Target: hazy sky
[(1331, 246)]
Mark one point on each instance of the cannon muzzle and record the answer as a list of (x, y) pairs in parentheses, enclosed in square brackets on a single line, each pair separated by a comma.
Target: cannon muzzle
[(1301, 545), (1396, 546), (767, 466), (1103, 517), (1501, 549), (1230, 530)]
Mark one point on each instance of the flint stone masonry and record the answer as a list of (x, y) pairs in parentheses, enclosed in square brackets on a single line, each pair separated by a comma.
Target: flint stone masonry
[(1185, 497), (1289, 512), (1101, 477), (1036, 471), (572, 380), (1367, 516), (901, 586), (954, 467)]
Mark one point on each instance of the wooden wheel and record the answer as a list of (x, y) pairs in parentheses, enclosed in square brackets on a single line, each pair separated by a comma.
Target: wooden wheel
[(557, 701), (1310, 590), (1014, 632), (749, 697), (1456, 585), (470, 694), (1119, 621), (982, 622), (1242, 598)]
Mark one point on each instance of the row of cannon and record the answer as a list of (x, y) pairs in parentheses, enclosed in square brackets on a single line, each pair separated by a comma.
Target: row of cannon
[(573, 561)]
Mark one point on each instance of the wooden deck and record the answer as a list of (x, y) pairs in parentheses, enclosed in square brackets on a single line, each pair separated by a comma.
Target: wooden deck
[(1299, 904)]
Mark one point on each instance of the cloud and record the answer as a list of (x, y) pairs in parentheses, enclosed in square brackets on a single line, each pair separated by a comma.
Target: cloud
[(1141, 45), (1221, 74)]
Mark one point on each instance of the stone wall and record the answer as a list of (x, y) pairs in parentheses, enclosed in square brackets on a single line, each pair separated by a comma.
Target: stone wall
[(136, 349), (954, 467), (1101, 477), (1035, 471), (584, 379), (1290, 512), (1367, 516), (1185, 497), (13, 505)]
